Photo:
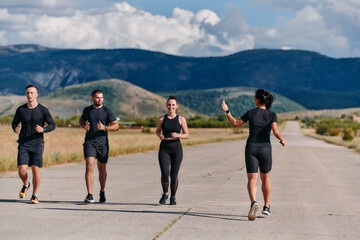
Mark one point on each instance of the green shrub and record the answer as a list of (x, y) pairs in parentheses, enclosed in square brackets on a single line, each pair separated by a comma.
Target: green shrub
[(348, 134), (146, 130), (333, 132), (321, 129), (6, 119)]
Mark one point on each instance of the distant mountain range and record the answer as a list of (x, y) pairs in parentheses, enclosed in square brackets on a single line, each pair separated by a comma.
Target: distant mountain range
[(239, 100), (332, 113), (130, 101), (125, 99), (308, 78)]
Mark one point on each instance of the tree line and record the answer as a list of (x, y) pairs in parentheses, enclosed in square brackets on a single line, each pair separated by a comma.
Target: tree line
[(344, 126)]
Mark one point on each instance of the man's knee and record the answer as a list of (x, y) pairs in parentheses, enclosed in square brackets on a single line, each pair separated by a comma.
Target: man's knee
[(22, 169), (265, 176), (101, 166), (35, 170), (90, 163)]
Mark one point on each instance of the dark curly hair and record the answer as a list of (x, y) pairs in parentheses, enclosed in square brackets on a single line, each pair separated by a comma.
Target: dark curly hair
[(265, 97)]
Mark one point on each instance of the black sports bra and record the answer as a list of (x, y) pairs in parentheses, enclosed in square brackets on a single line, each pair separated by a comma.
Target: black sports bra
[(169, 126)]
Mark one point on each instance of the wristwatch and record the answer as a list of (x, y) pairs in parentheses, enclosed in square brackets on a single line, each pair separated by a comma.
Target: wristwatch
[(106, 128), (227, 112)]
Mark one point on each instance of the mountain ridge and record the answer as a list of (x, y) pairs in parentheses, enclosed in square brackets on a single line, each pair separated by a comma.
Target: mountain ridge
[(239, 100), (130, 101), (308, 78), (125, 99)]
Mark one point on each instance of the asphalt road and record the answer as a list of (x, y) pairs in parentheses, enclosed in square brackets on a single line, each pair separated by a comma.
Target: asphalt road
[(315, 195)]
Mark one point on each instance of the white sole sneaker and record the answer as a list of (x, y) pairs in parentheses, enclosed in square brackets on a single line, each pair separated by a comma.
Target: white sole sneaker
[(266, 212), (252, 213), (89, 200)]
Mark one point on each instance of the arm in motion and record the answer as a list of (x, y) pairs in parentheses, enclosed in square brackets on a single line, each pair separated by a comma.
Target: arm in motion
[(277, 133), (233, 121), (158, 128)]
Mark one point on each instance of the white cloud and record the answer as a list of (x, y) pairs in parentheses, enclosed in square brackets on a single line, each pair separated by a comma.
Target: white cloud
[(308, 14), (123, 26), (48, 7), (306, 30), (330, 27), (3, 40), (50, 3), (207, 16)]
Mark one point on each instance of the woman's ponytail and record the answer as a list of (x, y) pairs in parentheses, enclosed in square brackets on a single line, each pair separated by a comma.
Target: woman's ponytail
[(264, 97)]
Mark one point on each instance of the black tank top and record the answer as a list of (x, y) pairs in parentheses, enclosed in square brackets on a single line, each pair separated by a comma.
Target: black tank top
[(170, 125)]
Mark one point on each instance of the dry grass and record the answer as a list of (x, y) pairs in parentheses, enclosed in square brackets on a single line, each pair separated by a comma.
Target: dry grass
[(64, 145), (354, 144), (333, 113)]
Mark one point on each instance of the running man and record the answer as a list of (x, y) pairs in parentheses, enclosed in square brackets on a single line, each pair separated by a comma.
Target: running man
[(258, 146), (32, 116), (97, 120)]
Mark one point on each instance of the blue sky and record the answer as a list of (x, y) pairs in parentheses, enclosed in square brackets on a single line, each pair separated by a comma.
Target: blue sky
[(185, 27), (256, 14)]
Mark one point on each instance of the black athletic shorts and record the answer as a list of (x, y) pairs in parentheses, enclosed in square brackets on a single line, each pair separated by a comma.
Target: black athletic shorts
[(30, 154), (258, 156), (101, 153)]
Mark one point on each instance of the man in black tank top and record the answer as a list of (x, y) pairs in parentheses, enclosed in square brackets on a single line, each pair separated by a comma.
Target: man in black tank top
[(33, 117)]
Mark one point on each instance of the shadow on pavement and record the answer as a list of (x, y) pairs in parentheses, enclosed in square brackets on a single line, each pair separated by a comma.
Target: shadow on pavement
[(228, 217), (190, 214), (75, 202), (25, 200)]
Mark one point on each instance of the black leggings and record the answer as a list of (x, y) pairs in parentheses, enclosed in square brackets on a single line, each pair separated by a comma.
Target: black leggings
[(170, 153), (257, 156)]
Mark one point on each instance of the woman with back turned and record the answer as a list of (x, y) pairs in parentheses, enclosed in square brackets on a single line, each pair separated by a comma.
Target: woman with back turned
[(258, 146), (168, 131)]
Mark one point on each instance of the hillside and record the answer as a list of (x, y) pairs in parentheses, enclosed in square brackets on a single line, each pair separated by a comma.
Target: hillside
[(334, 113), (239, 100), (8, 102), (308, 78), (125, 99)]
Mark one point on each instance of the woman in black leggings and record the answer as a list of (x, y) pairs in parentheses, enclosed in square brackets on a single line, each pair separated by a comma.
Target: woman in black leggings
[(258, 146), (168, 131)]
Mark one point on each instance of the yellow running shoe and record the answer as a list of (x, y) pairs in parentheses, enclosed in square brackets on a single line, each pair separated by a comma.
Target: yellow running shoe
[(34, 200), (23, 190)]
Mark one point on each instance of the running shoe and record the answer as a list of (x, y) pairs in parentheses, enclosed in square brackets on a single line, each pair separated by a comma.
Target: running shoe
[(89, 199), (102, 197), (252, 213), (23, 191), (163, 199), (266, 210), (172, 201), (34, 199)]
